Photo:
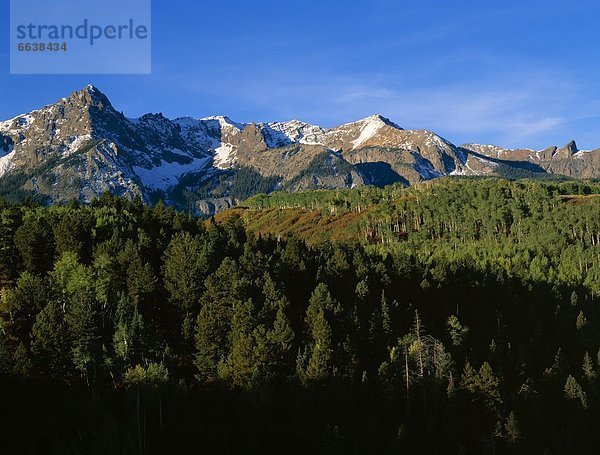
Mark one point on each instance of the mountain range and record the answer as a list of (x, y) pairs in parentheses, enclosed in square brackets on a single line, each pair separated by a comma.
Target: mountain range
[(81, 147)]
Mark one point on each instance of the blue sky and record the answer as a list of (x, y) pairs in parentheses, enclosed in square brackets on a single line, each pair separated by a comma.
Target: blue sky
[(513, 73)]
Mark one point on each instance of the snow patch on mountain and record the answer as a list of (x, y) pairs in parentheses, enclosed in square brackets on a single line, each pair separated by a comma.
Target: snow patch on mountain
[(211, 134), (434, 140), (222, 122), (424, 167), (487, 150), (496, 151), (77, 142), (5, 162), (581, 153), (224, 156), (368, 130), (20, 122), (486, 162), (167, 175), (280, 134)]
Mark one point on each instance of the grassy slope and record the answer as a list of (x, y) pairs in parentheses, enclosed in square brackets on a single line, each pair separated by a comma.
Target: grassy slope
[(323, 215)]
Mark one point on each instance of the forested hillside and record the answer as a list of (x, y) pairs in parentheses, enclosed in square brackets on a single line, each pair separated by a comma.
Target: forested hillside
[(460, 316)]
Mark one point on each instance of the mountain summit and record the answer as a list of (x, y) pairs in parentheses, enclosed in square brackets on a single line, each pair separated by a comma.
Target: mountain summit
[(81, 146)]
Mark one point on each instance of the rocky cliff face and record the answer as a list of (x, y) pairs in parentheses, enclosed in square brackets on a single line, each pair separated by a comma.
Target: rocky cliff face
[(81, 146), (568, 161)]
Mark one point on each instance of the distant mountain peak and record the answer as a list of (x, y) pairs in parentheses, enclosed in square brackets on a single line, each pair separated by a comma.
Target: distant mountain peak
[(91, 96), (369, 127), (567, 151), (382, 119), (223, 121), (375, 119), (572, 147), (91, 90)]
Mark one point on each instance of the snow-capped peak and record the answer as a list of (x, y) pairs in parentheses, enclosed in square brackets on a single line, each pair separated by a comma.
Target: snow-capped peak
[(380, 118), (223, 121), (371, 119), (369, 127), (278, 134)]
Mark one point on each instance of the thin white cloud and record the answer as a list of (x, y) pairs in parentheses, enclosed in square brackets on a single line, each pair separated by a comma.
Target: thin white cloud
[(469, 97), (520, 131)]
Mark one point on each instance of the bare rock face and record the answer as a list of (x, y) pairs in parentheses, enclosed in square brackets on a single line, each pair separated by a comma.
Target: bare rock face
[(209, 207), (251, 138), (81, 146), (568, 161)]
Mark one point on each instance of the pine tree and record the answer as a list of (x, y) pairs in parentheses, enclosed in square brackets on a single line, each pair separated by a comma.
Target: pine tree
[(35, 243), (224, 289), (10, 218), (559, 368), (51, 342), (581, 322), (574, 299), (108, 281), (273, 334), (321, 350), (457, 331), (386, 319), (71, 233), (241, 363), (128, 339), (574, 392), (140, 279), (209, 343), (23, 303), (280, 339), (468, 380), (489, 386), (186, 264), (75, 283), (512, 428), (588, 368), (480, 401)]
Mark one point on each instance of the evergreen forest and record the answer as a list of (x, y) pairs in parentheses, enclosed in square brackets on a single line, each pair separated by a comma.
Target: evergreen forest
[(458, 316)]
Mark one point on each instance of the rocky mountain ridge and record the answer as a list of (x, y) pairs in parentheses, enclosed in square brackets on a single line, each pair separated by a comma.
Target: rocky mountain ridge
[(81, 146)]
